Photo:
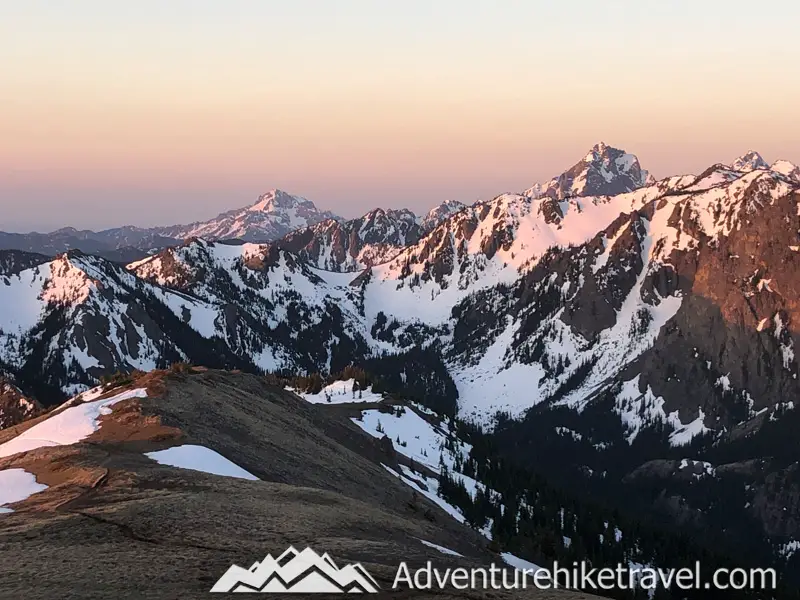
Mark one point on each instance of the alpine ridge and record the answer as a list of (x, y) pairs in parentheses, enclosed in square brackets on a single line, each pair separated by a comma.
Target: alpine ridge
[(355, 244)]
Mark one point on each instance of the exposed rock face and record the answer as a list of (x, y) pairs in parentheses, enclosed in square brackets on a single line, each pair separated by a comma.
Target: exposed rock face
[(14, 406), (441, 213), (673, 331), (373, 239), (604, 171), (750, 161), (355, 244)]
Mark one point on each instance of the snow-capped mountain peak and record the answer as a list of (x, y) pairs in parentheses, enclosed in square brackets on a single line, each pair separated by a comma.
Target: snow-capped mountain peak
[(277, 200), (441, 213), (789, 169), (597, 150), (750, 161), (604, 171), (272, 216)]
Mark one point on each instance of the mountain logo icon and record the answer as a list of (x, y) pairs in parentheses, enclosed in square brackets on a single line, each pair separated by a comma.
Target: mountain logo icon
[(296, 572)]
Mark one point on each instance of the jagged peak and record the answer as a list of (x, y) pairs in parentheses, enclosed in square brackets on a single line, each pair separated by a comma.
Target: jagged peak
[(749, 161), (604, 171), (441, 213), (389, 212), (448, 206), (599, 149)]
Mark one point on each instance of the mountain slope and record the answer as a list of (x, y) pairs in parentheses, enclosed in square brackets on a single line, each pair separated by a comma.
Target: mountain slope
[(606, 299), (786, 168), (668, 337), (116, 491), (441, 213), (352, 245), (267, 305), (373, 239), (491, 243), (72, 319)]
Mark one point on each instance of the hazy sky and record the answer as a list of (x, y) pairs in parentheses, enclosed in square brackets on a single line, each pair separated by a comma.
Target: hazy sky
[(155, 112)]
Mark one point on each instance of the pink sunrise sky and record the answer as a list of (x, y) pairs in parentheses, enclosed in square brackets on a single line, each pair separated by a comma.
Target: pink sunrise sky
[(146, 114)]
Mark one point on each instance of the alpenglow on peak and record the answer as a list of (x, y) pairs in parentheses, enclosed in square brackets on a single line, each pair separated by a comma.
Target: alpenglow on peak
[(750, 161), (604, 171)]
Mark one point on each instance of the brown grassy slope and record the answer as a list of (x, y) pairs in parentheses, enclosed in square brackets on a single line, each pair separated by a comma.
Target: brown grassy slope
[(114, 523)]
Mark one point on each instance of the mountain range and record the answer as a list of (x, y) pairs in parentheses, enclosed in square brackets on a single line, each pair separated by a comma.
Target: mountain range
[(641, 334), (272, 216), (275, 214)]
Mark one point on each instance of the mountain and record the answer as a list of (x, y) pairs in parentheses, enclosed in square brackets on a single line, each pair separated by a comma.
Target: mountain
[(320, 237), (750, 161), (373, 239), (786, 168), (354, 244), (71, 319), (275, 214), (604, 171), (179, 479), (644, 342), (379, 236), (441, 213), (120, 245), (13, 262), (209, 470)]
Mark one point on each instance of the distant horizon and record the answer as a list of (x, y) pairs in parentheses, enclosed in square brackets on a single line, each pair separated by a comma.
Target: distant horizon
[(421, 211), (155, 113)]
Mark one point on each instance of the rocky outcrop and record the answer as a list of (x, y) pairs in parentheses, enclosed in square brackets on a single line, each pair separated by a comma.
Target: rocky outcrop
[(14, 406)]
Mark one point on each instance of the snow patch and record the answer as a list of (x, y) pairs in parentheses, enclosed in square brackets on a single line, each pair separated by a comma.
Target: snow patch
[(199, 458), (684, 434), (441, 549), (418, 439), (340, 392), (68, 426), (17, 485), (788, 550), (519, 563)]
